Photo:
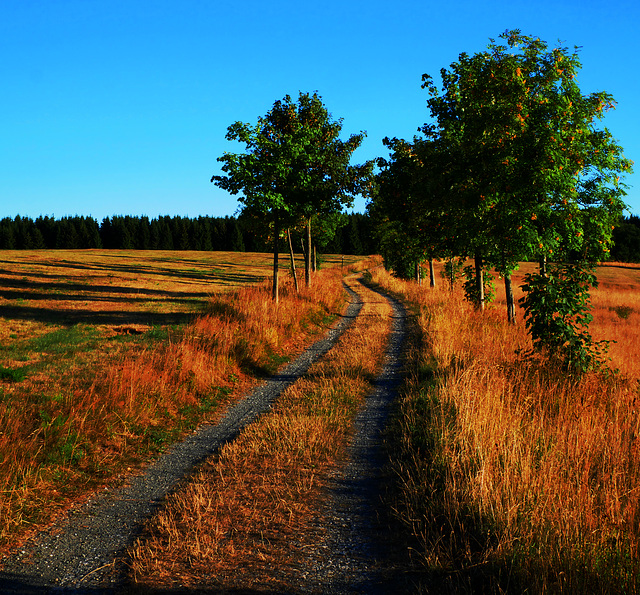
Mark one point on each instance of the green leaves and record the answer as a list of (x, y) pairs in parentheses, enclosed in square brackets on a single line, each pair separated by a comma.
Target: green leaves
[(295, 162), (513, 167), (557, 313), (295, 166), (522, 141)]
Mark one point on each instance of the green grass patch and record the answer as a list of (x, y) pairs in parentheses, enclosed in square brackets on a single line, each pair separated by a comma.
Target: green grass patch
[(65, 341), (12, 374), (623, 311)]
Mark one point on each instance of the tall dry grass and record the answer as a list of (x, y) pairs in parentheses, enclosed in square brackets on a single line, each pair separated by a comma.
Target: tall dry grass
[(59, 442), (244, 520), (512, 476)]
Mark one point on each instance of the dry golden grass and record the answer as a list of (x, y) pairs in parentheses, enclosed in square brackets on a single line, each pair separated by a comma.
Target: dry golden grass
[(95, 400), (244, 520), (513, 476)]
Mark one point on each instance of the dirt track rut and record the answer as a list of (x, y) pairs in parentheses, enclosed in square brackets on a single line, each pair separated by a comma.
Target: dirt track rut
[(77, 555)]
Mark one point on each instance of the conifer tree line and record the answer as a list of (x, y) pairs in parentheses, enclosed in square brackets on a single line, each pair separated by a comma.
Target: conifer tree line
[(356, 236), (626, 240), (353, 236)]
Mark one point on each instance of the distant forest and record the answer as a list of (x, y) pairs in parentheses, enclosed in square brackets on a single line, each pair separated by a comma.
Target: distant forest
[(355, 236), (166, 233)]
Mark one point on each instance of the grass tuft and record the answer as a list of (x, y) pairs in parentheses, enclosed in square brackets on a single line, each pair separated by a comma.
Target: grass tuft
[(12, 374)]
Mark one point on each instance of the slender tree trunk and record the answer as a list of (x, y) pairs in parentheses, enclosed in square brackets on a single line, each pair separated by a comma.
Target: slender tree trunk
[(304, 250), (432, 274), (452, 276), (293, 261), (479, 281), (418, 273), (315, 259), (511, 304), (307, 256), (276, 234), (543, 266)]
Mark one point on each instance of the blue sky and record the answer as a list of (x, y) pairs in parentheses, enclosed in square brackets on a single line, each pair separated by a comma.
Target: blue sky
[(121, 106)]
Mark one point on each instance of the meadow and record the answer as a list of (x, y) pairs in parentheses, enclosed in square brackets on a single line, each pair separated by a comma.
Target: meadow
[(512, 475), (106, 357)]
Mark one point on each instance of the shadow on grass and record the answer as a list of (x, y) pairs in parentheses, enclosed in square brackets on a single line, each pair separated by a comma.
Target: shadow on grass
[(213, 272), (71, 317)]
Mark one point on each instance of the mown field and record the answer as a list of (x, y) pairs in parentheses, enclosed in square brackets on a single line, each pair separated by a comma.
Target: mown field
[(108, 356)]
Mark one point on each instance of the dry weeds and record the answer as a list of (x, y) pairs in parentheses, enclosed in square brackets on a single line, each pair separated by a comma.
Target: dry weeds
[(514, 476), (243, 521)]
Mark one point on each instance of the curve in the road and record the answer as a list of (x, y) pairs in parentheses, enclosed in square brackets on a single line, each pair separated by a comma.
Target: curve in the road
[(78, 555)]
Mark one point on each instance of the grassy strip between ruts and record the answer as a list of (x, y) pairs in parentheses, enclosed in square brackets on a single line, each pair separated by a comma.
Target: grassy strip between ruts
[(512, 476), (64, 433), (243, 520)]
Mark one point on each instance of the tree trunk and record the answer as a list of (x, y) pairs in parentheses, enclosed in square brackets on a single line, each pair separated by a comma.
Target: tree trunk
[(315, 259), (432, 274), (293, 262), (418, 273), (511, 304), (304, 250), (543, 266), (307, 256), (276, 234), (479, 282), (452, 275)]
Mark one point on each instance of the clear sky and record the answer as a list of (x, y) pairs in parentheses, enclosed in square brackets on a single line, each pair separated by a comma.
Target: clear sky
[(121, 106)]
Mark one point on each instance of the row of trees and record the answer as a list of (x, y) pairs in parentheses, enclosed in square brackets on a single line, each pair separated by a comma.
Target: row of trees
[(353, 234), (124, 232), (512, 167), (626, 240)]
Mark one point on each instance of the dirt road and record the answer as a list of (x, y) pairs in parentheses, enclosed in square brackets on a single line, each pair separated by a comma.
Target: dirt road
[(77, 556)]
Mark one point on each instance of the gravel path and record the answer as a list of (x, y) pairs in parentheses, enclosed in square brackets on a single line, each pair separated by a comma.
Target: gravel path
[(354, 555), (77, 555)]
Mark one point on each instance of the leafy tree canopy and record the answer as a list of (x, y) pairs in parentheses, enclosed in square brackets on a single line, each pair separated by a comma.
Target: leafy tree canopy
[(529, 169)]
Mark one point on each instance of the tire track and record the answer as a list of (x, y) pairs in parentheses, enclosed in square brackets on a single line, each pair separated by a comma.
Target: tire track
[(79, 554), (354, 556)]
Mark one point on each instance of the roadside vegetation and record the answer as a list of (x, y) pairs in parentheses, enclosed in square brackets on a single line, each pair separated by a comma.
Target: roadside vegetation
[(245, 520), (81, 404), (514, 475)]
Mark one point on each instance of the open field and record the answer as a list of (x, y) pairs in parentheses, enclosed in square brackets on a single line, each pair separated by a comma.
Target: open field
[(114, 287), (103, 360), (510, 475)]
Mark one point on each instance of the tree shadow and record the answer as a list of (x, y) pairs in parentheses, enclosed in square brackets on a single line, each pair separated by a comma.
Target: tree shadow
[(213, 272), (93, 317)]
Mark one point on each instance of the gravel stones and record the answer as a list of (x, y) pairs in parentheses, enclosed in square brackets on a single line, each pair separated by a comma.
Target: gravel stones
[(79, 554)]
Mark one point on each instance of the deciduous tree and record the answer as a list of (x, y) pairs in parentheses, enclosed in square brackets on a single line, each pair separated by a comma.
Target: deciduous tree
[(295, 166), (533, 174)]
